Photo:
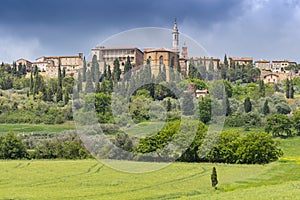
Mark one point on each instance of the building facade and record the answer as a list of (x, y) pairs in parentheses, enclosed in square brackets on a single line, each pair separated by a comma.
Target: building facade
[(240, 61), (161, 57), (263, 65), (50, 64), (282, 65), (107, 55), (25, 62)]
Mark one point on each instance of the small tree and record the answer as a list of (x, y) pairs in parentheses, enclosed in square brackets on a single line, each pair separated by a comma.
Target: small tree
[(214, 178)]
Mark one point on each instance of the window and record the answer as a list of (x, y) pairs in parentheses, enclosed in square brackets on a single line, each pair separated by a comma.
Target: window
[(172, 61), (161, 60)]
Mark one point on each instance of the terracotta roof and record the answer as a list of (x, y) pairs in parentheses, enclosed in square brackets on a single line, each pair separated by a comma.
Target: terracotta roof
[(262, 61)]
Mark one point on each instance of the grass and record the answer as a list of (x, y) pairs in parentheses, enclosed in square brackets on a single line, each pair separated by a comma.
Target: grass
[(145, 128), (36, 128), (89, 179)]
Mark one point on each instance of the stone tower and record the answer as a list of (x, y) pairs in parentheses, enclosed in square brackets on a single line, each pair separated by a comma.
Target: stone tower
[(184, 53), (175, 34)]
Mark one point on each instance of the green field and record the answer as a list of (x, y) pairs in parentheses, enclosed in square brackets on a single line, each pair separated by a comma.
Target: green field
[(89, 179), (37, 128)]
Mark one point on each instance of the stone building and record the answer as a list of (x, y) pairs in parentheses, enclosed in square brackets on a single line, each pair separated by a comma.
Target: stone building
[(107, 55), (271, 78), (206, 61), (281, 65), (161, 57), (25, 62), (263, 65), (240, 61), (50, 64)]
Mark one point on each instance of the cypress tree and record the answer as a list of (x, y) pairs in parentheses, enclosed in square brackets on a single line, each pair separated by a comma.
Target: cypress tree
[(164, 73), (288, 87), (59, 94), (127, 69), (266, 108), (109, 77), (169, 105), (84, 70), (66, 97), (228, 108), (89, 87), (94, 68), (214, 178), (79, 82), (31, 83), (64, 73), (247, 105), (291, 90), (59, 77), (262, 88), (117, 70)]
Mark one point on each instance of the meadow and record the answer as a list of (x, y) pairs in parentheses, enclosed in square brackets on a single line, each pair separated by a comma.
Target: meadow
[(36, 128), (89, 179)]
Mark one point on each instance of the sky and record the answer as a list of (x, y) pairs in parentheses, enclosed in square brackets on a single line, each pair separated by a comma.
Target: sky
[(262, 29)]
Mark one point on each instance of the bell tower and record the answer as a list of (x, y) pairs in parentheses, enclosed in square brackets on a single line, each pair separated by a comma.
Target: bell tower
[(175, 33)]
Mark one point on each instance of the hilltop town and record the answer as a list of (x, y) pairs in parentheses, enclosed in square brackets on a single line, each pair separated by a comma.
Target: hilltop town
[(271, 72)]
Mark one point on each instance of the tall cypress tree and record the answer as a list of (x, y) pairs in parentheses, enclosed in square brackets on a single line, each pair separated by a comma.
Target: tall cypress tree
[(59, 77), (89, 87), (214, 178), (79, 82), (93, 68), (127, 69), (109, 75), (247, 105), (84, 70), (262, 88), (266, 108), (288, 87), (117, 71), (228, 108), (64, 73), (31, 83), (291, 90)]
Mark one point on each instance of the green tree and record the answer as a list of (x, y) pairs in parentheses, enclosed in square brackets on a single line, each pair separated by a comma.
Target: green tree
[(12, 147), (257, 148), (127, 69), (283, 108), (205, 106), (169, 105), (266, 108), (66, 97), (262, 90), (63, 73), (247, 105), (279, 125), (84, 70), (79, 82), (296, 122), (117, 71), (89, 86), (228, 108), (214, 178), (187, 105)]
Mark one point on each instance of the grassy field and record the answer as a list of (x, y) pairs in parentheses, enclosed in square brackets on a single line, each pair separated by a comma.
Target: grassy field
[(89, 179), (38, 128)]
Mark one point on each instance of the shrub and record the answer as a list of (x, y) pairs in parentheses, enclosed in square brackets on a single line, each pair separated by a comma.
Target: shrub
[(12, 147)]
